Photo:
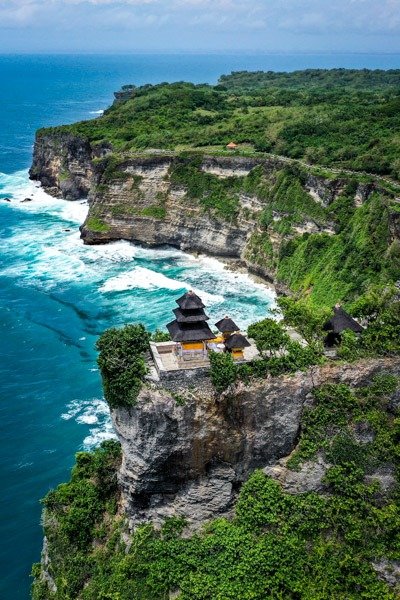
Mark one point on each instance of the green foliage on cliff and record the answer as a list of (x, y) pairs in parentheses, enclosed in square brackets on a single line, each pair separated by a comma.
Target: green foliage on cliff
[(97, 224), (340, 415), (344, 118), (307, 546), (224, 372), (269, 335), (75, 514), (122, 364), (213, 194), (344, 265)]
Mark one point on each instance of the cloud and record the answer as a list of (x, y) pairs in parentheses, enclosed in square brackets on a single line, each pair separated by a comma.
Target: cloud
[(245, 23)]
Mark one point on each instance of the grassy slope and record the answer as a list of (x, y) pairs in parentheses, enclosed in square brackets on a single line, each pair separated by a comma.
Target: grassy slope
[(307, 546)]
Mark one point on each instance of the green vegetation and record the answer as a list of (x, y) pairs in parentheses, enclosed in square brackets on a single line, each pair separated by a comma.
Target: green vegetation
[(160, 336), (155, 211), (339, 411), (381, 308), (270, 337), (334, 124), (122, 364), (76, 514), (213, 194), (97, 224), (351, 79), (223, 371), (308, 320), (342, 266), (307, 546), (346, 119)]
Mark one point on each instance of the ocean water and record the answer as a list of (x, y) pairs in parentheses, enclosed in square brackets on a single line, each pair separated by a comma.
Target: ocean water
[(57, 296)]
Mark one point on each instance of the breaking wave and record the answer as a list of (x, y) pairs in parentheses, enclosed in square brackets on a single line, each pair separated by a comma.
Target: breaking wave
[(106, 285)]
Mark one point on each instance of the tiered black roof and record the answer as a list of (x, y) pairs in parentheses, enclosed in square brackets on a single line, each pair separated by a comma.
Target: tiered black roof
[(340, 321), (189, 301), (226, 325), (190, 323), (183, 316)]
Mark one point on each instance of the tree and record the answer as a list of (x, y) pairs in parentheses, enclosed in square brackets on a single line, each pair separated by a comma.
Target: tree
[(305, 318), (122, 363), (269, 335), (223, 370)]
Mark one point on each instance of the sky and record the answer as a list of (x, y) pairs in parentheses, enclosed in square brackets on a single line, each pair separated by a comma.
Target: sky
[(200, 25)]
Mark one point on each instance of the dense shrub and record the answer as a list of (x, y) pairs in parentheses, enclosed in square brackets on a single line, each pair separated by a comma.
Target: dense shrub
[(122, 364), (269, 336), (223, 370)]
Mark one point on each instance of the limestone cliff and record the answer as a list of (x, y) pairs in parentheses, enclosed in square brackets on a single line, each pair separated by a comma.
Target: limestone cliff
[(189, 458), (248, 209), (136, 198)]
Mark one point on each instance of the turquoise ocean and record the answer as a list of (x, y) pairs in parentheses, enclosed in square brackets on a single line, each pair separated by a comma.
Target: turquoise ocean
[(57, 296)]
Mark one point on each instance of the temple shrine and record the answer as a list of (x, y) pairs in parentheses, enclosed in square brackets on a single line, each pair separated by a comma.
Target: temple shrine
[(190, 328), (192, 339)]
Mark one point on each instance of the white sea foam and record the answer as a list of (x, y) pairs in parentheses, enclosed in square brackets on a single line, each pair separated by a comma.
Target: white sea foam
[(18, 187), (96, 112), (143, 278), (91, 412)]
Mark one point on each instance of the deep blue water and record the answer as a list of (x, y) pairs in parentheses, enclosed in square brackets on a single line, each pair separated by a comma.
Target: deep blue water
[(56, 295)]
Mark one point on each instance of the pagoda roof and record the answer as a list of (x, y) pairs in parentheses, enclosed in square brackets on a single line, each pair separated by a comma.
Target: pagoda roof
[(226, 325), (190, 301), (189, 332), (341, 320), (237, 340), (194, 316)]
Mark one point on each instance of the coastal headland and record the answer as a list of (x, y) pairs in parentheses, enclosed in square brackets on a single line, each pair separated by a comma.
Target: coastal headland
[(274, 478)]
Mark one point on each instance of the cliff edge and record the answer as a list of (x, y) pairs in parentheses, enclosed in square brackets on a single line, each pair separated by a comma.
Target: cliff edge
[(268, 213), (186, 453)]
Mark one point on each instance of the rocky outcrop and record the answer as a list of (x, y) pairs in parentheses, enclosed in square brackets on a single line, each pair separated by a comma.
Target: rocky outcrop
[(64, 164), (190, 457), (324, 190), (310, 477)]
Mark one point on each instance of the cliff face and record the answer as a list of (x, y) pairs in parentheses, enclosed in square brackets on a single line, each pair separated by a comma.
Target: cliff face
[(143, 206), (189, 459), (63, 165), (138, 199), (253, 210)]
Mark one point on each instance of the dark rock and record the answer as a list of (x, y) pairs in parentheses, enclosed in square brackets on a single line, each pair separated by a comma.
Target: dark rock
[(26, 200), (190, 459), (6, 199)]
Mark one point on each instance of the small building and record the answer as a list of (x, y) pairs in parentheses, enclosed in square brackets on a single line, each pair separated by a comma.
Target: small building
[(226, 326), (232, 146), (339, 322), (190, 329), (235, 344)]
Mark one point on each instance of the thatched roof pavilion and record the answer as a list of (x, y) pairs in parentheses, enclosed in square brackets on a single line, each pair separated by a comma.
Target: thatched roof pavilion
[(339, 322), (236, 341), (226, 325)]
